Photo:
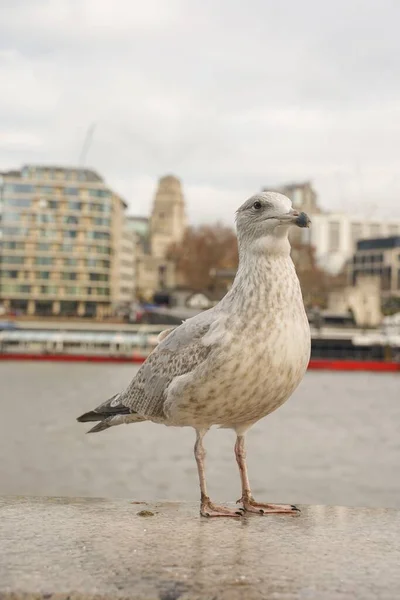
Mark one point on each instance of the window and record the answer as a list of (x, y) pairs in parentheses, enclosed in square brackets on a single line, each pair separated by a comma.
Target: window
[(43, 260), (103, 291), (44, 218), (70, 262), (73, 291), (9, 217), (8, 289), (379, 244), (386, 279), (99, 193), (71, 191), (48, 289), (356, 232), (43, 275), (10, 274), (43, 247), (125, 290), (98, 277), (70, 234), (334, 236), (19, 188), (74, 205), (105, 208), (48, 233), (24, 289), (374, 230), (12, 260), (17, 202), (18, 231), (102, 221), (14, 245), (103, 250), (70, 220), (69, 276), (97, 235), (53, 204), (66, 247), (46, 189)]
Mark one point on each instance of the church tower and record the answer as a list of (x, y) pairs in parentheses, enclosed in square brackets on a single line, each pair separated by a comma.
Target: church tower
[(168, 220)]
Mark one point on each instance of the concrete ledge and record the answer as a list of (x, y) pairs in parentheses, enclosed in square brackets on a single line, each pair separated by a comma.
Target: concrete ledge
[(62, 548)]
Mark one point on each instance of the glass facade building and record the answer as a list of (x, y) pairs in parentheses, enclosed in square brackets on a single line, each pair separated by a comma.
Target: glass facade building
[(60, 233)]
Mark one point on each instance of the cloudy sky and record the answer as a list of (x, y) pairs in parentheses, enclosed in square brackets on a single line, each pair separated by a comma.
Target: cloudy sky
[(228, 95)]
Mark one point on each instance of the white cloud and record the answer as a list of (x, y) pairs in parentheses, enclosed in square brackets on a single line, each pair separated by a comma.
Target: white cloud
[(228, 96)]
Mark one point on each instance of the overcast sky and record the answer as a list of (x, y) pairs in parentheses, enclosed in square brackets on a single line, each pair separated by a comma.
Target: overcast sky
[(229, 95)]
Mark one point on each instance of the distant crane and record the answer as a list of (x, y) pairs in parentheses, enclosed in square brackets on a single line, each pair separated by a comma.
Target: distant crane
[(86, 144)]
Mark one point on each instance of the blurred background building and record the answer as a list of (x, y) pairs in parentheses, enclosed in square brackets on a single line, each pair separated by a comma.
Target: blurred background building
[(65, 247), (335, 236), (155, 272), (378, 257), (68, 248)]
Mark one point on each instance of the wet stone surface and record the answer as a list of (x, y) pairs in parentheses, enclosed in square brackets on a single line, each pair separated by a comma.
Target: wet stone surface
[(94, 548)]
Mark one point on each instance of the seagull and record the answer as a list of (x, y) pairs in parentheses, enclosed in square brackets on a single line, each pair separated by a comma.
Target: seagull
[(235, 363)]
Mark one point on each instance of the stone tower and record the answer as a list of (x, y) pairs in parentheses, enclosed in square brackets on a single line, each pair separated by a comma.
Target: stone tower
[(168, 220)]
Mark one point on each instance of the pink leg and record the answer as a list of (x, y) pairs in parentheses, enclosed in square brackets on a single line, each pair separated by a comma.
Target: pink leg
[(249, 504), (207, 508)]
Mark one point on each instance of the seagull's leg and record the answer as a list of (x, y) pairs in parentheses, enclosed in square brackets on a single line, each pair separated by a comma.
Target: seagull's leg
[(207, 508), (249, 504)]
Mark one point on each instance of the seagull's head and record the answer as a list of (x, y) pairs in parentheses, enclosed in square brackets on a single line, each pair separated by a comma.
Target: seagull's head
[(263, 222)]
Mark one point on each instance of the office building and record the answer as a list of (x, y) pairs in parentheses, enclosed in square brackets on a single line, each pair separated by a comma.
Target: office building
[(379, 257), (61, 231), (334, 237)]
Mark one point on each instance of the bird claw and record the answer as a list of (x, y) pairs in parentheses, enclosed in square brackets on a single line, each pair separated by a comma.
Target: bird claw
[(209, 510), (250, 505)]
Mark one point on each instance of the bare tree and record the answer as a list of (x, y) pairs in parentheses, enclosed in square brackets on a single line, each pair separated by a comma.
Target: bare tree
[(203, 248), (208, 247)]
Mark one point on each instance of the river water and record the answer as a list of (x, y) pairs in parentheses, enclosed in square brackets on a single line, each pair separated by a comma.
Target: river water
[(335, 442)]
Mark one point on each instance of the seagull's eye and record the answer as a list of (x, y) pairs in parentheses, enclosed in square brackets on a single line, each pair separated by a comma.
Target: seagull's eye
[(257, 205)]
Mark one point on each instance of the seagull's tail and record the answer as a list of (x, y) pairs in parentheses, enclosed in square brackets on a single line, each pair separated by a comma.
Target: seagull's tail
[(110, 413)]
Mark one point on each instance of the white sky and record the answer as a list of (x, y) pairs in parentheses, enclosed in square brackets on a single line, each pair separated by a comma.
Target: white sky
[(230, 96)]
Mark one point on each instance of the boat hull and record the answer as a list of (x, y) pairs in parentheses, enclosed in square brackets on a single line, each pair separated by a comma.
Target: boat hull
[(314, 364)]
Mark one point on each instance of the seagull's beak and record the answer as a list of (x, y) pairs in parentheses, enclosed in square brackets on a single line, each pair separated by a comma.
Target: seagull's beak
[(296, 218)]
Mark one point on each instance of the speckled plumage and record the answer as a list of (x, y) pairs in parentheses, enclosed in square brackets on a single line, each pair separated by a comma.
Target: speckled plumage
[(237, 362)]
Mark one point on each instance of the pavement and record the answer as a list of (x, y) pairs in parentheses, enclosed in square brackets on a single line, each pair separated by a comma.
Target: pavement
[(76, 548)]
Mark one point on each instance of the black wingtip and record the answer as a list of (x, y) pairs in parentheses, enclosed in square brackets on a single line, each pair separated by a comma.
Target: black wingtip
[(89, 416), (99, 427)]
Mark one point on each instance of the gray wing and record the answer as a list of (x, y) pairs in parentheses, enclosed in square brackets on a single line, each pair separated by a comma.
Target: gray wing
[(179, 352)]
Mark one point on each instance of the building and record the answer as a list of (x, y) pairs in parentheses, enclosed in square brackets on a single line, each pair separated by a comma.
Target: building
[(362, 301), (304, 199), (123, 288), (139, 227), (378, 257), (168, 219), (60, 243), (302, 195), (167, 225), (334, 237)]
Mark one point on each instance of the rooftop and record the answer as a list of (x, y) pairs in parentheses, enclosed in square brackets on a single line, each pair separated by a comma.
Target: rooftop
[(54, 172)]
